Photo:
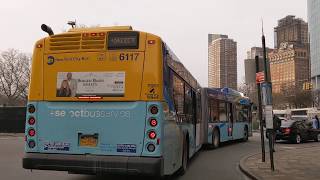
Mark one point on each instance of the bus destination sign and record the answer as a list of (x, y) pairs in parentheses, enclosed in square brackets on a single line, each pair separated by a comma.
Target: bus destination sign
[(123, 40)]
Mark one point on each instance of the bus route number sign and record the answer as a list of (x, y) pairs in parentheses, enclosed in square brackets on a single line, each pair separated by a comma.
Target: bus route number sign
[(123, 40)]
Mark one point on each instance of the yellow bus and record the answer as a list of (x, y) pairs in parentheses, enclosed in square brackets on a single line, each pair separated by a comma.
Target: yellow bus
[(110, 100)]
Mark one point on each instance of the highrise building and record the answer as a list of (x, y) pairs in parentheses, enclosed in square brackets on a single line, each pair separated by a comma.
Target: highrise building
[(289, 68), (222, 61), (314, 30), (290, 62), (291, 30), (212, 37)]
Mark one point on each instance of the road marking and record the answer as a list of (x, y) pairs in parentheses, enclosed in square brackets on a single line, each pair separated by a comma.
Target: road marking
[(287, 147)]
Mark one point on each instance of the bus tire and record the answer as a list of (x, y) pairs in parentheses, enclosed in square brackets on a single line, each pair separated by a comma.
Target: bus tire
[(245, 134), (215, 139), (185, 157), (317, 138)]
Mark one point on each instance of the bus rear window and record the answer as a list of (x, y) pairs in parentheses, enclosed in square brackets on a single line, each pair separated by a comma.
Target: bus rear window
[(123, 40)]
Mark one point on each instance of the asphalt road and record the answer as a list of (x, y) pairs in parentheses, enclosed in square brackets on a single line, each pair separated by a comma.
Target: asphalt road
[(221, 163)]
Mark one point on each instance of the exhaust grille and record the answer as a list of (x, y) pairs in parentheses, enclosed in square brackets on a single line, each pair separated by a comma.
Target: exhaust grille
[(76, 42)]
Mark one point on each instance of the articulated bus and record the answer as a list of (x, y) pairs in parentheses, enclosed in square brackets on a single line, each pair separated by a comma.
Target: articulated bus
[(111, 100), (227, 116)]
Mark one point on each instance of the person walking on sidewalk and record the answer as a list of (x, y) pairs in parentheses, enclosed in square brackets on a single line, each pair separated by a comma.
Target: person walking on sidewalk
[(316, 122), (276, 127)]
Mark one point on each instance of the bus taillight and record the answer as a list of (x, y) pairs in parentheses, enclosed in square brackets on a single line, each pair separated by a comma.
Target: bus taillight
[(31, 121), (31, 108), (153, 122), (31, 144), (151, 147), (31, 132), (152, 134), (154, 109)]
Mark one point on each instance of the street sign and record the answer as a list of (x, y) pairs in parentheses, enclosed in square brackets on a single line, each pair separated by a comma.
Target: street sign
[(266, 88), (269, 116), (260, 77)]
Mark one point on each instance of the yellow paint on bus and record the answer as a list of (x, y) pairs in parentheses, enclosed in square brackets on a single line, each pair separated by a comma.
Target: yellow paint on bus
[(85, 50)]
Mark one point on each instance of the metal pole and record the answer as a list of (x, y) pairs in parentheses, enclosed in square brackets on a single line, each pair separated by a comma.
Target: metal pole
[(265, 59), (260, 113), (271, 146), (267, 79)]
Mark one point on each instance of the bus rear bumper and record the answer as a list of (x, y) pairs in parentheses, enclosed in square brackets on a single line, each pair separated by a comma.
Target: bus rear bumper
[(91, 164)]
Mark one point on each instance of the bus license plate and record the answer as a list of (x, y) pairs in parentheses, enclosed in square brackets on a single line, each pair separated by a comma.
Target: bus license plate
[(89, 140)]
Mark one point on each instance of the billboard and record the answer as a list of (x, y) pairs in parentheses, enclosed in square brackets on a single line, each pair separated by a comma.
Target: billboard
[(102, 84)]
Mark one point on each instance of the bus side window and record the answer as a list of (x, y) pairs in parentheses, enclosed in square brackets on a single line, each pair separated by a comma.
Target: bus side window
[(242, 113), (214, 110), (189, 104), (199, 119), (222, 111), (239, 112), (178, 96)]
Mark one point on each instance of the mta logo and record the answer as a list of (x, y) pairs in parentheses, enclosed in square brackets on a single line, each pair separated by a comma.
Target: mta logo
[(50, 60)]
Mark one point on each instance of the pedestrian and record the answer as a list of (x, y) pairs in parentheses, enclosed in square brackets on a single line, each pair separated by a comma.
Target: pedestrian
[(276, 127), (316, 122), (276, 122)]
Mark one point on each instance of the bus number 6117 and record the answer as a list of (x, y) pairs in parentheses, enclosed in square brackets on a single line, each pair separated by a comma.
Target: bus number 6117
[(128, 56)]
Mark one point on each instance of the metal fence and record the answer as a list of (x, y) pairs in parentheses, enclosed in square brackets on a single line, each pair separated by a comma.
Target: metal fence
[(12, 119)]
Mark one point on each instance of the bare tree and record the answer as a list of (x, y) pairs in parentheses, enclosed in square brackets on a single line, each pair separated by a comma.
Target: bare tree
[(14, 75), (292, 96)]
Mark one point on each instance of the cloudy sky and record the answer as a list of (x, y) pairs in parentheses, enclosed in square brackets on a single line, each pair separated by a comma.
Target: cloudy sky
[(183, 24)]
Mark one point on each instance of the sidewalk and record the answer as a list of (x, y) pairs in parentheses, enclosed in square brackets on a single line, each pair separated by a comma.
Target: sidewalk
[(294, 164)]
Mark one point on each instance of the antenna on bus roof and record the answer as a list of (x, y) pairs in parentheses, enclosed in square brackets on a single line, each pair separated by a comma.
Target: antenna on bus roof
[(72, 24), (262, 26), (47, 29)]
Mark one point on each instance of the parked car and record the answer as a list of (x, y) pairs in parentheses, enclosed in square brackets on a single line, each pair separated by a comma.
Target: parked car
[(297, 131), (299, 118)]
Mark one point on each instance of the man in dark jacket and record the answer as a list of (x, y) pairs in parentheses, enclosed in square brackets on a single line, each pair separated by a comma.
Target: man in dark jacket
[(276, 126), (276, 123)]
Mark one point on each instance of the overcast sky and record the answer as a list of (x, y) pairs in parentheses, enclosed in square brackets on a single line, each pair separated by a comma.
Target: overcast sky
[(183, 24)]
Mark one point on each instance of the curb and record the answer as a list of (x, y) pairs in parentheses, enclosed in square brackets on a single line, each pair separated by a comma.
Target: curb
[(11, 134), (253, 176), (244, 168)]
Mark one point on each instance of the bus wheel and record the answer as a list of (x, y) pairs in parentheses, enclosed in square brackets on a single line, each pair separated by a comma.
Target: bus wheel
[(317, 139), (184, 157), (215, 139), (245, 134)]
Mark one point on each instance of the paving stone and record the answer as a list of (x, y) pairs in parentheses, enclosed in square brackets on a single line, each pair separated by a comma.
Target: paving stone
[(301, 163)]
